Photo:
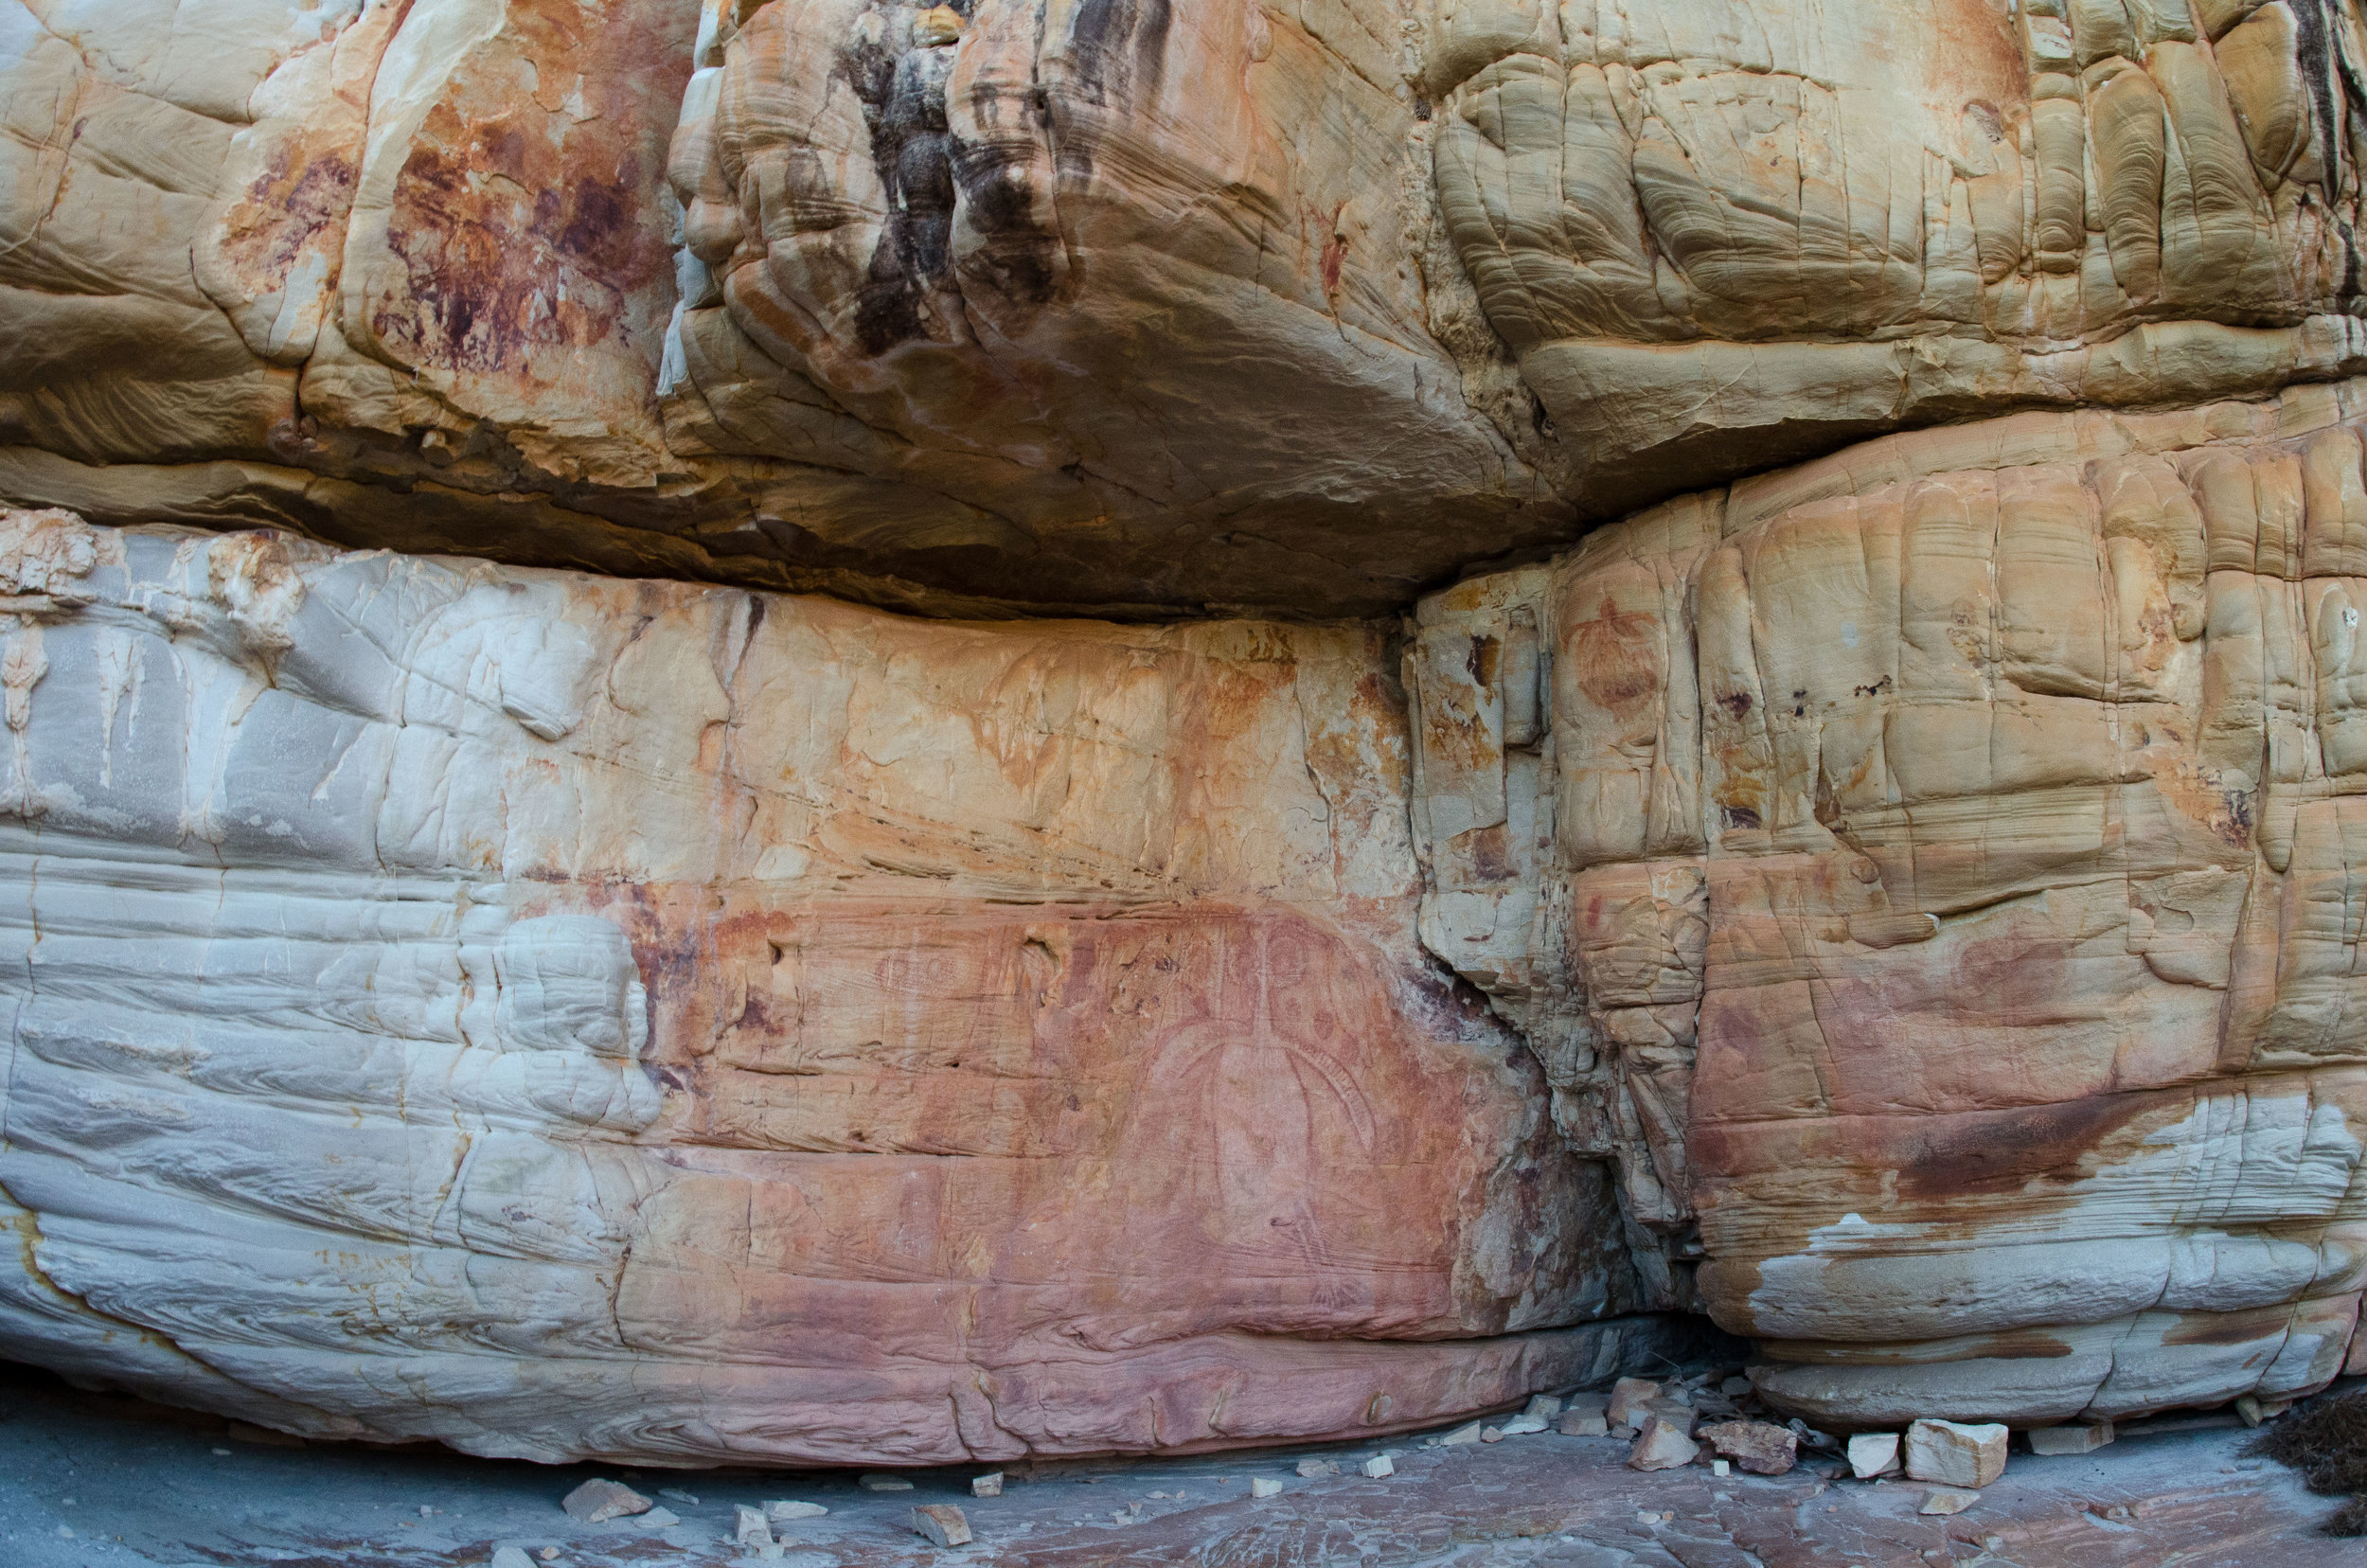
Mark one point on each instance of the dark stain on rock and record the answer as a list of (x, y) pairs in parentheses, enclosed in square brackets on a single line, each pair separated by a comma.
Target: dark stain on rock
[(2008, 1150), (1121, 48), (1616, 659)]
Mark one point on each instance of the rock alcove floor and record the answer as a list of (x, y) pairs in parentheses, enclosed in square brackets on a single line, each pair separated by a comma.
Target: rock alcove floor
[(90, 1481)]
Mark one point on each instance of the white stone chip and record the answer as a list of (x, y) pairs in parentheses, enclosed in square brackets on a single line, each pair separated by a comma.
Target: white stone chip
[(1265, 1487), (1948, 1500), (885, 1483), (941, 1525), (750, 1526), (511, 1556), (1873, 1453), (1378, 1465), (988, 1484)]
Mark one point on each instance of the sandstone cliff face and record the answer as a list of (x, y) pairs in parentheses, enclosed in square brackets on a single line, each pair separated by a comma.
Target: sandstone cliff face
[(1910, 889), (1113, 305), (1928, 872), (564, 1016)]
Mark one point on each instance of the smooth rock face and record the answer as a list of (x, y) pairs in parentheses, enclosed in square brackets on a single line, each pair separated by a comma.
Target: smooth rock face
[(1921, 871), (1075, 303), (563, 1017)]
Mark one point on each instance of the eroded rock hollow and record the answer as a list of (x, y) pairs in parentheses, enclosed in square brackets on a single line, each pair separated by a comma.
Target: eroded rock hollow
[(1710, 671)]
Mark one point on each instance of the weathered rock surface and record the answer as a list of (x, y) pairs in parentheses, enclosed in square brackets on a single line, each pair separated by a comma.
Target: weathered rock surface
[(1928, 872), (1098, 303), (566, 1016)]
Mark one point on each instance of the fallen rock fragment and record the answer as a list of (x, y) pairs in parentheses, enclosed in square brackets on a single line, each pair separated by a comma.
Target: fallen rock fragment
[(1265, 1487), (796, 1510), (1309, 1468), (658, 1517), (511, 1556), (941, 1525), (1467, 1434), (1955, 1453), (1759, 1448), (884, 1483), (988, 1484), (1873, 1453), (596, 1502), (1380, 1465), (750, 1526), (1948, 1500), (1662, 1445), (1583, 1416), (1521, 1426), (2080, 1437), (1544, 1406), (1629, 1396)]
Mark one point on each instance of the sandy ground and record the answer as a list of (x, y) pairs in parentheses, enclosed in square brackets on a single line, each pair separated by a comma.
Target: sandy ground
[(90, 1482)]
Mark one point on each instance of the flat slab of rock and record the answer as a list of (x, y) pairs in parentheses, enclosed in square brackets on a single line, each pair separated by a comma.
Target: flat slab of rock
[(1954, 1453), (596, 1500), (1948, 1500), (2083, 1437)]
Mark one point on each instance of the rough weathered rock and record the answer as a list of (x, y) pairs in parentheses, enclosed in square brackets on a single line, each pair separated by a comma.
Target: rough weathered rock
[(1629, 1397), (1954, 1453), (1662, 1444), (1973, 808), (486, 1005), (1052, 302), (1759, 1448), (941, 1525), (596, 1501)]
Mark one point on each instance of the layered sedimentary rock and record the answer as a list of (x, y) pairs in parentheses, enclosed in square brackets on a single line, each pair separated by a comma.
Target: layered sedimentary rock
[(1929, 874), (1116, 305), (567, 1016)]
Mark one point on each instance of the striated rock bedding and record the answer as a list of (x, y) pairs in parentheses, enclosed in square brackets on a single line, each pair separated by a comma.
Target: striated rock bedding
[(1720, 679)]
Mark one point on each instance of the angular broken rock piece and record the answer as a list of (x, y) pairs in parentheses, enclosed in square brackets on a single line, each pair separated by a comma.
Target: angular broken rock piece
[(597, 1501), (1759, 1447), (1264, 1485), (2079, 1437), (1378, 1465), (1468, 1433), (1309, 1468), (1584, 1417), (1662, 1445), (1954, 1453), (988, 1484), (750, 1526), (659, 1518), (1873, 1453), (1948, 1500), (511, 1556), (1629, 1396), (885, 1483), (941, 1525), (1521, 1426), (1545, 1407)]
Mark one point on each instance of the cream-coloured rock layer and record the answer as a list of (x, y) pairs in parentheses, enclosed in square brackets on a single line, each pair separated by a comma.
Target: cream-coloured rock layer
[(566, 1016), (1929, 873)]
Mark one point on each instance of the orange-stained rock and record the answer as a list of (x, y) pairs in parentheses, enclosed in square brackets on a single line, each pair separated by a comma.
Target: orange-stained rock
[(566, 1016), (1925, 880)]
